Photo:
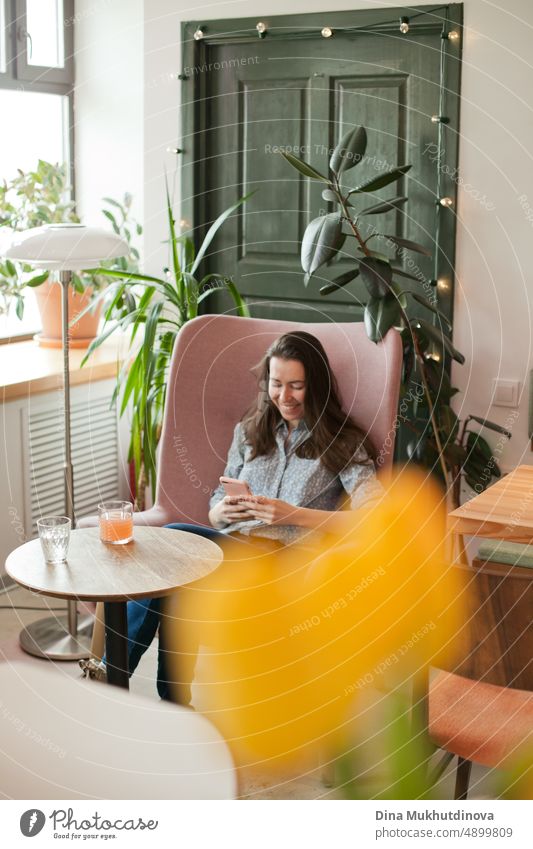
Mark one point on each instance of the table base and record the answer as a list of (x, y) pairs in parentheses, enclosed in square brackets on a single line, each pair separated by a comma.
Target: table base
[(116, 643), (50, 638)]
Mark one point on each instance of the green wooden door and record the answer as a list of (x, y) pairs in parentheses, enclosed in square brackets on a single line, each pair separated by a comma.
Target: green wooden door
[(247, 98)]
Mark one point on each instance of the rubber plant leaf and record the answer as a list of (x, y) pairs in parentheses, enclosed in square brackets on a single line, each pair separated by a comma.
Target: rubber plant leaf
[(382, 180), (385, 206), (349, 151), (380, 315), (437, 336), (408, 245), (339, 282), (376, 275), (322, 239), (303, 167)]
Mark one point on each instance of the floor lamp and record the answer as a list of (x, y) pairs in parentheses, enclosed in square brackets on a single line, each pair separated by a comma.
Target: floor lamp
[(64, 248)]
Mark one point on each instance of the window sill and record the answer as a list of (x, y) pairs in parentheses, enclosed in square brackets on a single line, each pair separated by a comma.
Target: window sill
[(26, 369)]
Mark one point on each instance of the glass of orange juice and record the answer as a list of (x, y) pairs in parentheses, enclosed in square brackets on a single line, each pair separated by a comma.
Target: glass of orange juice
[(115, 519)]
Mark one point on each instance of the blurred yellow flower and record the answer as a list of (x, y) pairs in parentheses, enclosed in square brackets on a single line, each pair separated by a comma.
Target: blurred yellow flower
[(293, 637)]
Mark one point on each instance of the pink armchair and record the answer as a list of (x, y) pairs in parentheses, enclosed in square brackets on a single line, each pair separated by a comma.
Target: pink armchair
[(210, 386)]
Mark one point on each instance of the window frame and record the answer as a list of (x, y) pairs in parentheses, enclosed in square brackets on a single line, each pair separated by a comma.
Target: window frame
[(19, 76), (42, 73)]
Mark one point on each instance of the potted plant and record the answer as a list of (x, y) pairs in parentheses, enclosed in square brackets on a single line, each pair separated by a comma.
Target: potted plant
[(160, 306), (453, 450), (38, 197)]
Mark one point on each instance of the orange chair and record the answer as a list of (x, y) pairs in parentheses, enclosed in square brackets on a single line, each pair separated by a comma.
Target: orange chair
[(482, 710)]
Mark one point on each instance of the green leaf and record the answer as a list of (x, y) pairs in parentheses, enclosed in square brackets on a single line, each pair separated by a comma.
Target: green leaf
[(479, 448), (491, 426), (38, 279), (401, 273), (428, 305), (11, 268), (385, 206), (242, 306), (400, 296), (174, 250), (98, 341), (410, 246), (110, 215), (339, 282), (211, 233), (322, 239), (303, 167), (376, 275), (382, 180), (380, 315), (77, 284), (19, 307), (115, 203), (437, 336), (349, 151)]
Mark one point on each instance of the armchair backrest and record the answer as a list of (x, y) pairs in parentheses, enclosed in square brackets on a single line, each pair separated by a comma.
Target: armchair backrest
[(211, 385)]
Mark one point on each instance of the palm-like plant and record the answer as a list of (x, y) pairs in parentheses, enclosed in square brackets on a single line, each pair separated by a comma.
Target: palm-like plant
[(160, 306), (440, 440)]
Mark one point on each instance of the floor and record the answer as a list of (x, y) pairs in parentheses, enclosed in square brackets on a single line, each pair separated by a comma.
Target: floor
[(253, 786)]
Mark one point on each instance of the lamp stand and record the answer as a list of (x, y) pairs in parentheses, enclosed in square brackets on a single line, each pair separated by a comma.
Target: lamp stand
[(60, 638)]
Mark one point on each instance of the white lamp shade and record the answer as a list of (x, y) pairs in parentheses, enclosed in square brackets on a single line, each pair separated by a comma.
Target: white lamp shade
[(65, 247)]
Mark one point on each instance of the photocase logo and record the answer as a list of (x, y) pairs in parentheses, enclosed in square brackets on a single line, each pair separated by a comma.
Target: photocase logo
[(32, 822)]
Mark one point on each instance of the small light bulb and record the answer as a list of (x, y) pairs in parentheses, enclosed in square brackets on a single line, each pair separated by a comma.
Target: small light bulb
[(453, 35), (442, 284), (404, 25), (261, 28), (440, 119), (326, 32), (446, 202), (199, 34)]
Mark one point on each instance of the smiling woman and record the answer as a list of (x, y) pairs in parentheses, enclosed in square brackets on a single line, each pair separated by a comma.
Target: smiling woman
[(302, 457)]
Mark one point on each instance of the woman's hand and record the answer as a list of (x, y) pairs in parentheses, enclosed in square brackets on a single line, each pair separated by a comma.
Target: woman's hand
[(231, 509), (272, 511)]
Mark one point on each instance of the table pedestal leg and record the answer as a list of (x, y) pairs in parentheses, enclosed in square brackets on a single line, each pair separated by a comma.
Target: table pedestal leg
[(116, 643)]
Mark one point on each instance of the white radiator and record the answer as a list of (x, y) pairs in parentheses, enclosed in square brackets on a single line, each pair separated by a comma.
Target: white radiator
[(95, 456)]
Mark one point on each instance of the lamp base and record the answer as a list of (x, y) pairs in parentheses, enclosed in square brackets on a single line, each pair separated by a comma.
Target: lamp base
[(50, 638)]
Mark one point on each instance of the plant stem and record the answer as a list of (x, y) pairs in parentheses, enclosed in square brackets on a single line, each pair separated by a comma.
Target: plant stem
[(431, 408), (342, 201), (419, 355)]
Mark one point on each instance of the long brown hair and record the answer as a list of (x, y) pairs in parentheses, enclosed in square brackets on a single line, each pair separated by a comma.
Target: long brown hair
[(334, 436)]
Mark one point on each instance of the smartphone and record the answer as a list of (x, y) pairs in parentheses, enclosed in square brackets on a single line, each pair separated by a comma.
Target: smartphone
[(234, 487)]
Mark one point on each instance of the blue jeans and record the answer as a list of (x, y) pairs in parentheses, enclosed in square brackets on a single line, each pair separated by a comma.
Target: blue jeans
[(144, 619)]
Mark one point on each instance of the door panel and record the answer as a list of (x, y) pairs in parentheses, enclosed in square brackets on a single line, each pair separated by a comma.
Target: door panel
[(301, 94)]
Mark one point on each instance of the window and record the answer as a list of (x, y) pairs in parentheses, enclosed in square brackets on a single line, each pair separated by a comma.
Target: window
[(44, 35), (36, 82)]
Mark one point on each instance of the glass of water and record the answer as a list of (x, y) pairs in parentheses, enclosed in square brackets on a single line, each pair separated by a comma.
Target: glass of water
[(54, 533)]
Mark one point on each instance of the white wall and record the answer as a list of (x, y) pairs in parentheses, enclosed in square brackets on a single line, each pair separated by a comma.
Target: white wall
[(108, 104), (492, 310)]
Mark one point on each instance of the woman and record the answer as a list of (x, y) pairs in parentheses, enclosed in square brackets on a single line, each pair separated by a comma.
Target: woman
[(302, 458)]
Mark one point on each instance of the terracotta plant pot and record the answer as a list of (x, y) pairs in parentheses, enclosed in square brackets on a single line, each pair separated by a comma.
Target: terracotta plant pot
[(49, 302)]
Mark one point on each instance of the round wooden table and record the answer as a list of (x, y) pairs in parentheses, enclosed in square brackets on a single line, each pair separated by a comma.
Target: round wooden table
[(157, 562)]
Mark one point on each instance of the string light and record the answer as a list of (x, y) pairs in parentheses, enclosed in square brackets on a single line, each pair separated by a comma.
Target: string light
[(453, 35), (326, 32), (443, 285), (261, 28), (404, 25), (199, 34), (440, 119), (446, 201)]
